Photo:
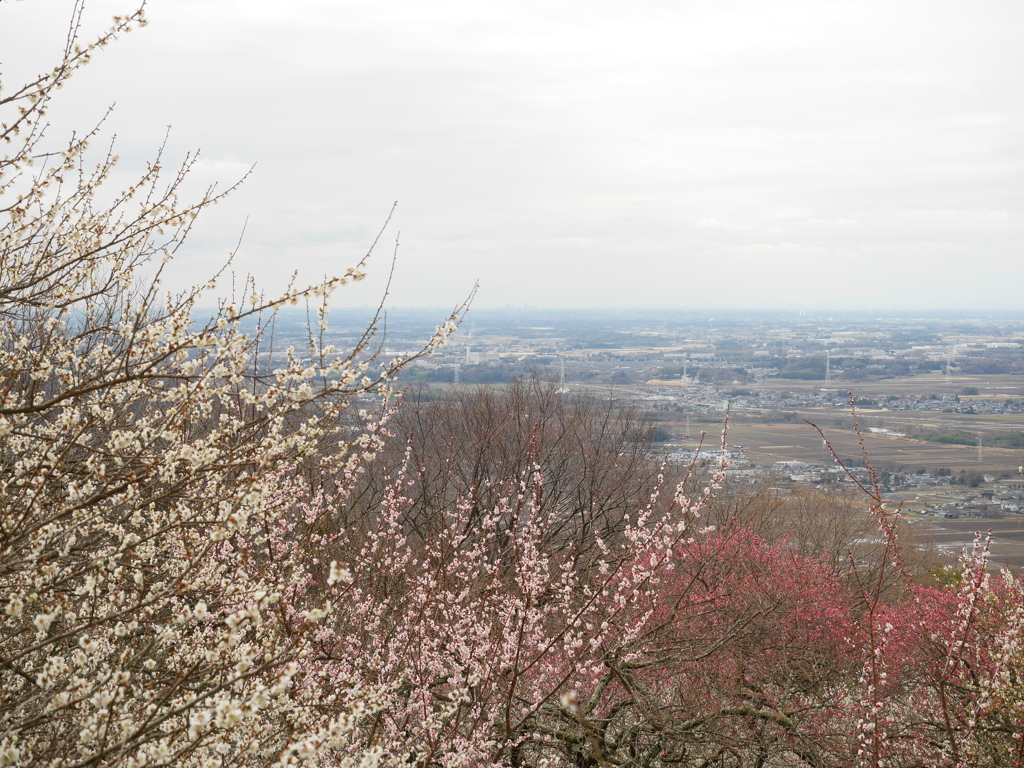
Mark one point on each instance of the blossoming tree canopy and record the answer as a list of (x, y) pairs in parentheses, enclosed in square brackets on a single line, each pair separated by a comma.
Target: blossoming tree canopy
[(199, 565), (142, 462)]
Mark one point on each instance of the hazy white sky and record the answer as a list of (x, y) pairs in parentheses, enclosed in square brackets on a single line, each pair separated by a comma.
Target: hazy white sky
[(793, 153)]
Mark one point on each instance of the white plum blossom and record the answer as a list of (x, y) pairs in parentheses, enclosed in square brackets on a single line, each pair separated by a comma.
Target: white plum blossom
[(151, 456)]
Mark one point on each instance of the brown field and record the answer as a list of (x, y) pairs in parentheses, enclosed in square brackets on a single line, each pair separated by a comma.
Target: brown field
[(989, 387), (768, 443), (1006, 549)]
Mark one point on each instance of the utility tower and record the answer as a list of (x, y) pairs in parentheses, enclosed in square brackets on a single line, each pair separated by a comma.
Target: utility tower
[(828, 369)]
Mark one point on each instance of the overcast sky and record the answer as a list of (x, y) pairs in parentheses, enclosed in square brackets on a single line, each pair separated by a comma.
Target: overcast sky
[(583, 153)]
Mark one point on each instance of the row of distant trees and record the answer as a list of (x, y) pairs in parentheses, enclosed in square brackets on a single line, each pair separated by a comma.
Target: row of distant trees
[(210, 556), (850, 370)]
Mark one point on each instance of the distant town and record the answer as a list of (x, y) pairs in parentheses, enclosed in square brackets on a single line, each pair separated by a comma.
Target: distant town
[(938, 400)]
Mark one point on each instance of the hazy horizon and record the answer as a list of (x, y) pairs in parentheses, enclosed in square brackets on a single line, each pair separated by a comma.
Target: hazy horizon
[(1016, 313)]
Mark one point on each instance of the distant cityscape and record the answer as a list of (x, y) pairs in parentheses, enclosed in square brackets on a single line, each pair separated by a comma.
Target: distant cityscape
[(939, 399)]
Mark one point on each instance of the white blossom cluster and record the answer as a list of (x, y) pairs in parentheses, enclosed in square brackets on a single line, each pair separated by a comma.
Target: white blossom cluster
[(146, 615)]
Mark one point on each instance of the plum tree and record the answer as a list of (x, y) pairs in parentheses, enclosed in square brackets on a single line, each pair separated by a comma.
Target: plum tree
[(135, 446)]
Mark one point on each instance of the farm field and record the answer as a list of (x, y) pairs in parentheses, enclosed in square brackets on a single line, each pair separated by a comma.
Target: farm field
[(989, 387), (1006, 549), (768, 443)]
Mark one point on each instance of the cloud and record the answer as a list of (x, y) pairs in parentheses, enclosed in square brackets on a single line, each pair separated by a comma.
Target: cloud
[(528, 141)]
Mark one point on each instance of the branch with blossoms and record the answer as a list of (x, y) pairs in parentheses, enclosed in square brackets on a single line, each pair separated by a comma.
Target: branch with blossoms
[(478, 633), (136, 447), (933, 658)]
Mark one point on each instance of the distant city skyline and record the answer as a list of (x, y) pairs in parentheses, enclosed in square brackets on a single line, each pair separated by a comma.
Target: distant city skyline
[(788, 155)]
